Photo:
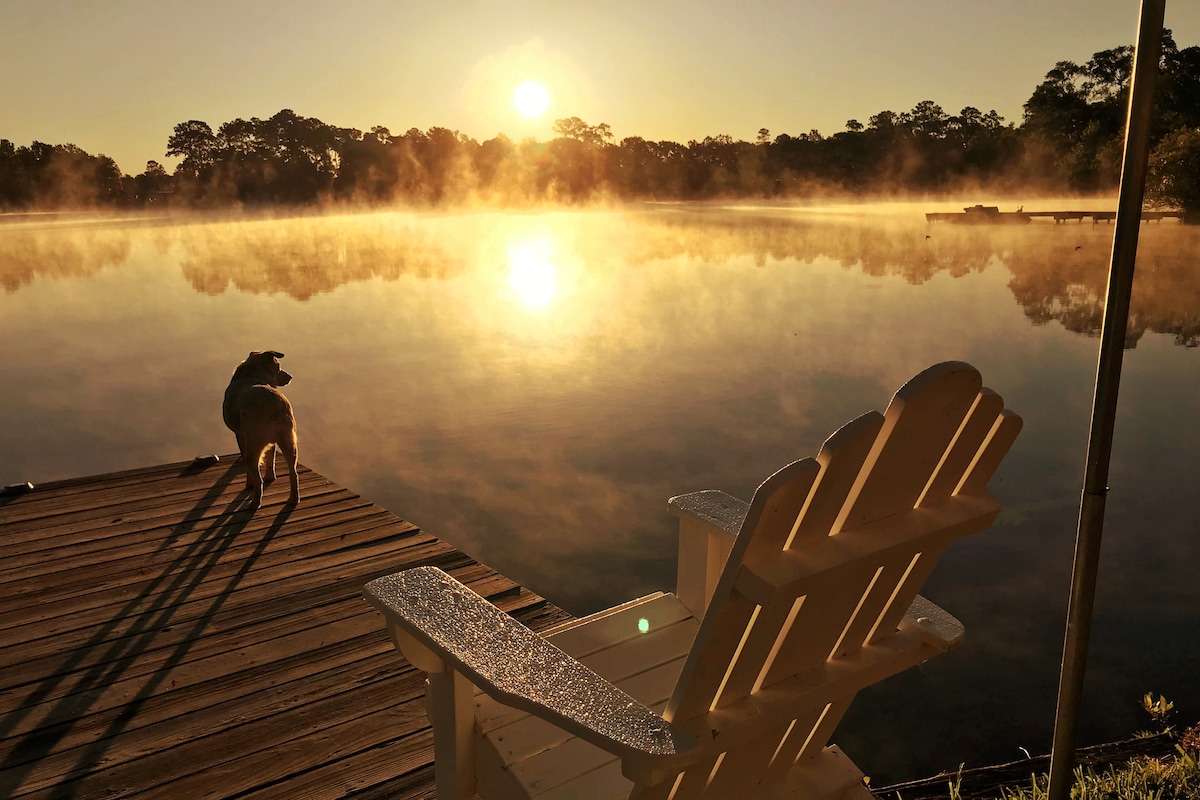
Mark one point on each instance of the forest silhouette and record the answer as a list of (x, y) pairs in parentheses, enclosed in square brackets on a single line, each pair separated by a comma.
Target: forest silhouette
[(1069, 140)]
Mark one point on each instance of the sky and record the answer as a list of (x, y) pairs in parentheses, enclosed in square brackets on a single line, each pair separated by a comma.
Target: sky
[(115, 76)]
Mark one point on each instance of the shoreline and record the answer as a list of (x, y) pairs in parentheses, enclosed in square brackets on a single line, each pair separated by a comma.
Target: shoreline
[(979, 783)]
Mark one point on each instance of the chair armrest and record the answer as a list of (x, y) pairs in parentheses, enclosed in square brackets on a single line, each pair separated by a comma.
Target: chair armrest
[(709, 522), (933, 625), (449, 622), (722, 511)]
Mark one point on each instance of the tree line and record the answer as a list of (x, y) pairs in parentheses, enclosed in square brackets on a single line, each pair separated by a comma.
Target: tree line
[(1069, 140)]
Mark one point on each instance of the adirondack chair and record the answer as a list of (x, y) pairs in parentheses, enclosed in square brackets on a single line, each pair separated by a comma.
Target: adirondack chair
[(787, 606)]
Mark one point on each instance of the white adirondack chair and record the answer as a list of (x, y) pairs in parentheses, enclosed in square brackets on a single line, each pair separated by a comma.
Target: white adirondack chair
[(786, 608)]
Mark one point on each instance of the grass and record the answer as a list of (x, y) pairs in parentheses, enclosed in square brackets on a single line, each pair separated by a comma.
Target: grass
[(1143, 778), (1140, 779)]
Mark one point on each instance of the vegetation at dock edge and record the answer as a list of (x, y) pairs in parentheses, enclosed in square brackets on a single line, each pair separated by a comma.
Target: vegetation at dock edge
[(1141, 778), (1171, 777), (1069, 140)]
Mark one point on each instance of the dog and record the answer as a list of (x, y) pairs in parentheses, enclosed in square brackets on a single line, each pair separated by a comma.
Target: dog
[(262, 420)]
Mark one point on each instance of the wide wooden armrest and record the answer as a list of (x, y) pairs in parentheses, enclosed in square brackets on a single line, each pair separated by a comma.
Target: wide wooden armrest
[(709, 522), (722, 511), (933, 625), (442, 623)]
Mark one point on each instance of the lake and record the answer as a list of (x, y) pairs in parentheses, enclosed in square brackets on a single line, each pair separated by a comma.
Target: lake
[(532, 387)]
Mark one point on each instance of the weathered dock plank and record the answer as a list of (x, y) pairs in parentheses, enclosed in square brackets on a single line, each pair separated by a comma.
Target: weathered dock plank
[(158, 639)]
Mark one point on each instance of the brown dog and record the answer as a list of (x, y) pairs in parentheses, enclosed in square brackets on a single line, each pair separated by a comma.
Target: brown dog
[(261, 418)]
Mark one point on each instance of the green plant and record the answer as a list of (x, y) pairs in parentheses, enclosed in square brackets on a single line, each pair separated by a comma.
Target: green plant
[(1038, 786), (1142, 778), (1159, 710), (956, 784)]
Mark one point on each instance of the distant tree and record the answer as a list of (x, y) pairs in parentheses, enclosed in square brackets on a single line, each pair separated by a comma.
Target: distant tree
[(1174, 172), (494, 157), (151, 184), (241, 138), (575, 128), (308, 150), (642, 168), (367, 169), (196, 143), (978, 143), (1177, 90), (1069, 138), (928, 119), (15, 182), (713, 165), (1076, 115), (635, 166), (887, 121), (381, 134)]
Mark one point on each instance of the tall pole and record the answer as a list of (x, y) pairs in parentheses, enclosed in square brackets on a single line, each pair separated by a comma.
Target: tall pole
[(1104, 406)]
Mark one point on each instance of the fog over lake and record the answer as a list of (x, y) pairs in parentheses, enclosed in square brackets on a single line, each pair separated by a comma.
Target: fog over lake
[(532, 387)]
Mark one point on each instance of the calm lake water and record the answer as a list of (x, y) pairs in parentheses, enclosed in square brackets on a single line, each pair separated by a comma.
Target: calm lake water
[(532, 387)]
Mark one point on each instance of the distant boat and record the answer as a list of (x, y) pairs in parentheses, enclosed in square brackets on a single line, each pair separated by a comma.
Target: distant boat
[(982, 215)]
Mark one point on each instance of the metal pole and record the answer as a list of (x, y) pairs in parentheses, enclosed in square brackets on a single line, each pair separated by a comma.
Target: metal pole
[(1104, 406)]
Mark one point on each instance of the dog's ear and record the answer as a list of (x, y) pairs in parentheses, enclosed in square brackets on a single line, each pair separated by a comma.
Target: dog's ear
[(275, 353), (253, 353)]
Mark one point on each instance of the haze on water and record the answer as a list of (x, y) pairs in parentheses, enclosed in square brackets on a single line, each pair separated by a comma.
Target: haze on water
[(532, 386)]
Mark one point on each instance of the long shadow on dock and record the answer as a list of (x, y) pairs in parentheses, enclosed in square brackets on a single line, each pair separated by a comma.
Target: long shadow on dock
[(160, 640), (113, 647)]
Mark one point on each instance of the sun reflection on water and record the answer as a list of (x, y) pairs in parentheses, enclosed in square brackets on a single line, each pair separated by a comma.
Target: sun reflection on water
[(532, 273)]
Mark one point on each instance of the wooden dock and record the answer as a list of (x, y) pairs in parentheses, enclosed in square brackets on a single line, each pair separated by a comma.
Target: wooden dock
[(991, 215), (158, 640)]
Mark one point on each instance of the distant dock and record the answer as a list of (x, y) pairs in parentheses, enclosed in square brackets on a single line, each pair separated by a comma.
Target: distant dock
[(992, 215)]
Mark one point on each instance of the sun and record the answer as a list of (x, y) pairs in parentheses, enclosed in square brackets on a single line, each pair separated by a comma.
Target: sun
[(531, 99)]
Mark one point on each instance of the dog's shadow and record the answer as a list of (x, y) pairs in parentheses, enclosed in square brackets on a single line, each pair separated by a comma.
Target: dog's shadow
[(244, 501), (196, 544)]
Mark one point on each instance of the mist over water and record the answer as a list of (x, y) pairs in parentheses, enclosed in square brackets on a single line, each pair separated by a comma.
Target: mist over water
[(532, 387)]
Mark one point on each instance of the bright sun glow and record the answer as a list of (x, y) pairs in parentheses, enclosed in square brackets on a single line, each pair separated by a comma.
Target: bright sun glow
[(531, 99), (531, 274)]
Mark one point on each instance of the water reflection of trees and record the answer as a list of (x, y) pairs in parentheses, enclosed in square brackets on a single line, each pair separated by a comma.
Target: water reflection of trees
[(26, 253), (1059, 272), (1068, 285), (303, 258), (886, 247)]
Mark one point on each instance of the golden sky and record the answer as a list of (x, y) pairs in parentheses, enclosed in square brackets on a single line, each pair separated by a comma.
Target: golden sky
[(115, 77)]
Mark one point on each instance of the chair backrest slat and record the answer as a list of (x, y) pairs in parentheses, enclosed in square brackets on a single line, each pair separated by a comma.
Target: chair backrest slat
[(801, 735), (906, 591), (841, 459), (919, 424), (994, 449), (782, 508), (942, 435), (822, 618), (964, 449), (728, 613)]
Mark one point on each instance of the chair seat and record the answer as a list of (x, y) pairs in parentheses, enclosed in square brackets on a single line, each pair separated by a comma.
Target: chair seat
[(640, 647)]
